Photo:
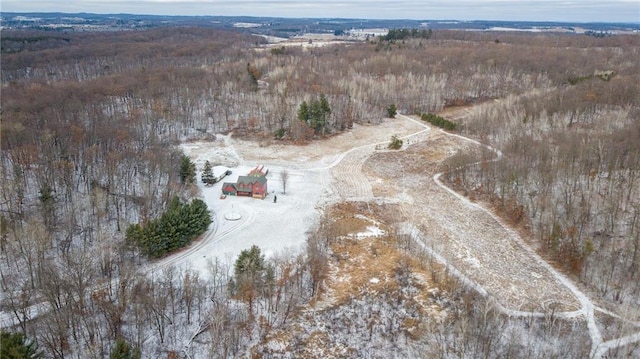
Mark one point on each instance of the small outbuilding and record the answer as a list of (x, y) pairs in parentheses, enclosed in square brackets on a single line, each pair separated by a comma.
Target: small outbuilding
[(258, 171), (219, 173)]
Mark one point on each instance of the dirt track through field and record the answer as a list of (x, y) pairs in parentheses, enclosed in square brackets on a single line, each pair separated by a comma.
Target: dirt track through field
[(351, 182), (479, 247), (466, 236)]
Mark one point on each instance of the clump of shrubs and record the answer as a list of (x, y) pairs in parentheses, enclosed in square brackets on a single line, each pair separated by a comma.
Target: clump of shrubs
[(395, 143)]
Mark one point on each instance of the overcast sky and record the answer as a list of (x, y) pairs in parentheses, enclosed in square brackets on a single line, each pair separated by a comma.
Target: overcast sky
[(532, 10)]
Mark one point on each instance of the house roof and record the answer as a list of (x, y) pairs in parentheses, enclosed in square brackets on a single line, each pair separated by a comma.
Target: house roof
[(250, 180), (225, 184)]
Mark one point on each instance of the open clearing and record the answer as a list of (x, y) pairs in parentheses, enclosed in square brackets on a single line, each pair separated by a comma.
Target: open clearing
[(356, 167)]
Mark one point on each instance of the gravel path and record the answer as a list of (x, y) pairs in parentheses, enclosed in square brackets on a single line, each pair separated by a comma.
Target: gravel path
[(463, 233), (474, 242)]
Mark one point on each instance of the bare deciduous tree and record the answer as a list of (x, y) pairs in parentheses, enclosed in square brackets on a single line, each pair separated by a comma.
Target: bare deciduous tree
[(284, 177)]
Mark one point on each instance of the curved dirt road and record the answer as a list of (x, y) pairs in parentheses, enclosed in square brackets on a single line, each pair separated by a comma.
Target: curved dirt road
[(480, 248)]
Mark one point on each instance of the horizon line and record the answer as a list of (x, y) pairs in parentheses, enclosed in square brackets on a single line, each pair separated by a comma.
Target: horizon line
[(322, 18)]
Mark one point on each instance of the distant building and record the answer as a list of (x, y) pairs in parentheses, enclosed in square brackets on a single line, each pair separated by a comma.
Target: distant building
[(362, 34), (258, 172), (252, 185)]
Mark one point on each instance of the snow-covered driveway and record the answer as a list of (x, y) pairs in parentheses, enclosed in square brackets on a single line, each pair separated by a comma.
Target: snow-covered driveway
[(356, 166)]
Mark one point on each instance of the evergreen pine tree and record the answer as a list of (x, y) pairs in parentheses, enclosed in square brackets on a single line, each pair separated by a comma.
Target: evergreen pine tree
[(207, 174), (16, 346), (392, 111), (174, 229), (187, 170), (122, 350), (303, 112), (325, 113), (249, 265), (134, 234), (315, 114), (249, 275)]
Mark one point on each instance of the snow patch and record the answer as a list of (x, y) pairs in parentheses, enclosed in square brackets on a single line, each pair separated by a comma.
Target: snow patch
[(372, 231)]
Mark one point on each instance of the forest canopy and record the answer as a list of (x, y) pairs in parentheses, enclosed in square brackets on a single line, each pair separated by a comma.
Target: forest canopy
[(90, 168)]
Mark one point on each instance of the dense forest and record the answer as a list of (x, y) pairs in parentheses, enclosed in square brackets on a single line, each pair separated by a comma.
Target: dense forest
[(89, 127)]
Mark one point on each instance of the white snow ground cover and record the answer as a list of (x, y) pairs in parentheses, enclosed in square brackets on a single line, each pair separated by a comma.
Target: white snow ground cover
[(280, 227), (241, 222)]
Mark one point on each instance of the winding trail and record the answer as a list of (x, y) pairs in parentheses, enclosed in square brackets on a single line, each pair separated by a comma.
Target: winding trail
[(463, 235), (515, 271), (587, 307)]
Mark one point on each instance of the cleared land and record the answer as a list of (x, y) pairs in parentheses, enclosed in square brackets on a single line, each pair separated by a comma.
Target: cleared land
[(357, 167)]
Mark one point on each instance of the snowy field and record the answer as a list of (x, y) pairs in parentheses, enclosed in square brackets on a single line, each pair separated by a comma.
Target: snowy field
[(280, 227), (240, 222)]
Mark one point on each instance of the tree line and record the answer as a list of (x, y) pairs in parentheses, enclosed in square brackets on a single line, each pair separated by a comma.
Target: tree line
[(315, 114), (438, 121), (403, 34), (174, 229), (570, 176)]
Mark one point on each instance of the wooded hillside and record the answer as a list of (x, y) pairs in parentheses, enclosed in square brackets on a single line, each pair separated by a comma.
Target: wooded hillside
[(88, 134)]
